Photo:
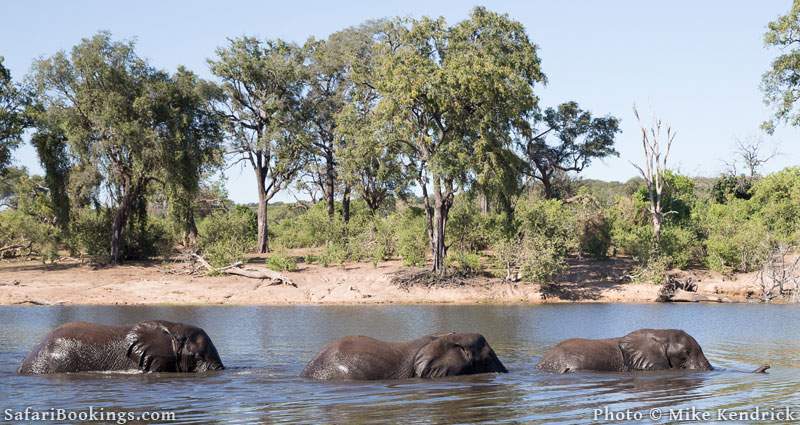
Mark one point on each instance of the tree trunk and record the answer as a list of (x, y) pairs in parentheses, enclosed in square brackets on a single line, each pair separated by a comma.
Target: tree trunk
[(191, 229), (330, 182), (439, 225), (547, 185), (484, 202), (121, 220), (346, 204), (263, 230)]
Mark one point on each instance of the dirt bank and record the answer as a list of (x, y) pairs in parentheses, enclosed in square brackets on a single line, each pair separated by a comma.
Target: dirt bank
[(33, 283)]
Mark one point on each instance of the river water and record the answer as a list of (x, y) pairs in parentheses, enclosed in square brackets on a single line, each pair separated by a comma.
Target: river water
[(266, 348)]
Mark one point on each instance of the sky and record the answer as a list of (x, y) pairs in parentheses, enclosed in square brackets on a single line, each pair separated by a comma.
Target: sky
[(697, 65)]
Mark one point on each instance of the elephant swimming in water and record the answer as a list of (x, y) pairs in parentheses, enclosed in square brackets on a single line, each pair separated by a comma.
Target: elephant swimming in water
[(151, 346), (432, 356), (644, 349)]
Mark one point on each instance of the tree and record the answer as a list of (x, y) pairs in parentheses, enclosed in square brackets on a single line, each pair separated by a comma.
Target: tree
[(580, 139), (656, 147), (12, 118), (445, 90), (370, 162), (191, 137), (781, 83), (264, 82), (101, 95)]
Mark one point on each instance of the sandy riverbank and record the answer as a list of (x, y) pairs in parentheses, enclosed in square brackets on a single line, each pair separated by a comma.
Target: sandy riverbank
[(32, 283)]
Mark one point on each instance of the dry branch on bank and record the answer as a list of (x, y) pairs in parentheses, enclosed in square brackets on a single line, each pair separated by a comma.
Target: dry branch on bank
[(237, 270)]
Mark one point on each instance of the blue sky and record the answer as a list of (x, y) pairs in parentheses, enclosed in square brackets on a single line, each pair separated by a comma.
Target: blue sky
[(697, 65)]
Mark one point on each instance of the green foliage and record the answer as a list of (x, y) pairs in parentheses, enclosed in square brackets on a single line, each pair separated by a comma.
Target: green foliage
[(90, 234), (466, 227), (780, 82), (581, 138), (12, 119), (592, 225), (313, 228), (736, 238), (333, 254), (22, 234), (411, 237), (240, 222), (464, 263), (776, 199), (224, 237), (280, 261), (729, 186), (654, 270)]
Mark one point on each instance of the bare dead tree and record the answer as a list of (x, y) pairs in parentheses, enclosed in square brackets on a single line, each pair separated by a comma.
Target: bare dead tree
[(753, 154), (779, 274), (656, 142)]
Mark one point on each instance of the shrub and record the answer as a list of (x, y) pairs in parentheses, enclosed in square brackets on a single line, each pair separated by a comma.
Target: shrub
[(464, 263), (654, 271), (333, 253), (28, 234), (225, 252), (542, 259), (592, 225), (411, 236), (312, 228), (737, 240), (467, 229), (776, 200), (239, 223), (280, 261), (144, 237)]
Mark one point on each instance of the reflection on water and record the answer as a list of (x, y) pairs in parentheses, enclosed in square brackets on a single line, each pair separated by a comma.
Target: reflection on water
[(265, 348)]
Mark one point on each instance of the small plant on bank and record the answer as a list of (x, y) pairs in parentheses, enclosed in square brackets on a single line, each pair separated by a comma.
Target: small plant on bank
[(280, 261), (464, 263)]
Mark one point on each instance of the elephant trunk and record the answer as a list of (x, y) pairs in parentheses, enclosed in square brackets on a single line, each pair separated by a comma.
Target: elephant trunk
[(762, 369)]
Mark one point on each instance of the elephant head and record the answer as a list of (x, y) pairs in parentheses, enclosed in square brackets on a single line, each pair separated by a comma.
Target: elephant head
[(649, 349), (161, 346), (456, 354)]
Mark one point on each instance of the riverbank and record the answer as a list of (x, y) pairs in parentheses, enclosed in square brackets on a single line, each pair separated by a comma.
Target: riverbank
[(33, 283)]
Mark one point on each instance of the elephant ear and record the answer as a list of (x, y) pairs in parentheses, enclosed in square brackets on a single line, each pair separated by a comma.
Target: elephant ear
[(153, 347), (644, 350), (440, 358)]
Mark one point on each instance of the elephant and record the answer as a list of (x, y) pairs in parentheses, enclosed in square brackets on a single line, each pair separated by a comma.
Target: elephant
[(643, 349), (150, 346), (433, 356)]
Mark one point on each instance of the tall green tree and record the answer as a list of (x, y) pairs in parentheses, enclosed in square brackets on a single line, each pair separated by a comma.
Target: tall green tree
[(781, 83), (12, 117), (192, 136), (264, 83), (580, 138), (448, 89), (102, 95)]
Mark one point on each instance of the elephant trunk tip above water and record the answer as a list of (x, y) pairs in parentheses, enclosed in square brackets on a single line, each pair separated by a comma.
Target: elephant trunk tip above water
[(151, 346), (432, 356), (643, 349)]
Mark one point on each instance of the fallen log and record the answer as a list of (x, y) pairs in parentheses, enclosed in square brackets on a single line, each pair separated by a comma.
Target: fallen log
[(237, 269)]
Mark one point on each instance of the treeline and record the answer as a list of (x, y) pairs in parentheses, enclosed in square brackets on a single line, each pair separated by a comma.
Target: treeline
[(407, 137)]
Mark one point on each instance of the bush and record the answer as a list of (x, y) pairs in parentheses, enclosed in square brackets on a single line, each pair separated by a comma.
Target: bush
[(225, 252), (239, 223), (28, 234), (592, 225), (654, 271), (411, 236), (333, 253), (313, 228), (280, 261), (776, 201), (146, 237), (467, 229), (464, 263), (225, 237), (737, 240)]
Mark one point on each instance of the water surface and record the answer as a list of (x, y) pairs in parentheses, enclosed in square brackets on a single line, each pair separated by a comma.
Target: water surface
[(266, 348)]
